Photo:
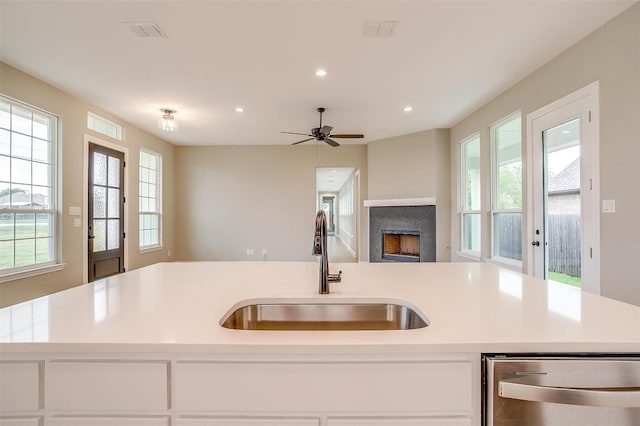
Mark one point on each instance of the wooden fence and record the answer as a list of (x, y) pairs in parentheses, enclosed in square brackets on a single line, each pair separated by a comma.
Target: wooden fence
[(564, 240), (564, 244)]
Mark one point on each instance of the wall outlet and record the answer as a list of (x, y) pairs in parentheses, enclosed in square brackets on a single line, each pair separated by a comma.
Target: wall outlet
[(77, 222), (169, 253)]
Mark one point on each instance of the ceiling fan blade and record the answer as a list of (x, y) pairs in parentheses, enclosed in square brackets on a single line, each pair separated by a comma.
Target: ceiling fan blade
[(326, 130), (304, 140), (294, 133), (331, 142), (348, 136)]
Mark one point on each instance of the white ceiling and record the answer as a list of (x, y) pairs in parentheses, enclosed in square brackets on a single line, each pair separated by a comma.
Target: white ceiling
[(446, 58), (332, 179)]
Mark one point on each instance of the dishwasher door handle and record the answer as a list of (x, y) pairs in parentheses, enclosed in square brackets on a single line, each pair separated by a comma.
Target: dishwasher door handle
[(620, 397)]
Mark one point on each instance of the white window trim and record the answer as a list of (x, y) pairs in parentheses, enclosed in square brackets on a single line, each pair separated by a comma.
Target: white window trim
[(499, 260), (85, 200), (159, 183), (469, 254), (56, 204)]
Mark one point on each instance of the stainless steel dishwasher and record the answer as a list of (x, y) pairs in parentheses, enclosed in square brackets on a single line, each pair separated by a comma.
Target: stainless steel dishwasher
[(561, 390)]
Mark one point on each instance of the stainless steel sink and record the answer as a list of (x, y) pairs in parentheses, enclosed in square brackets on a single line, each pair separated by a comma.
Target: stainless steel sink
[(323, 315)]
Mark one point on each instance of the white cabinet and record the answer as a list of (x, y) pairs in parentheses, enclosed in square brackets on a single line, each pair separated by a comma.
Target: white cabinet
[(248, 422), (426, 386), (108, 421), (21, 421), (19, 386), (107, 385), (399, 421), (120, 389)]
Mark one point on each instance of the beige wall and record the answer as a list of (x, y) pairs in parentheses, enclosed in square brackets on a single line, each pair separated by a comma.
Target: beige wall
[(611, 55), (414, 166), (253, 197), (73, 114)]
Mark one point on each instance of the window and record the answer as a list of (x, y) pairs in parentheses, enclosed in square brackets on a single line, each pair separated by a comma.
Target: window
[(470, 190), (506, 194), (28, 191), (150, 204), (104, 126)]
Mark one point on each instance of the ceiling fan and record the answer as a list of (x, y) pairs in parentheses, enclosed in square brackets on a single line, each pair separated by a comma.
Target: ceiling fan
[(323, 134)]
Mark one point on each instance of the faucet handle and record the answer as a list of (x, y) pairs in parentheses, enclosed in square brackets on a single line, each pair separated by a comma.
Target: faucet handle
[(335, 278)]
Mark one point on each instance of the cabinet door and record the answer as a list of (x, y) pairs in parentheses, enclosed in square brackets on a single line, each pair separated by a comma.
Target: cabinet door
[(108, 421), (247, 422), (413, 421), (107, 385), (20, 386), (21, 421), (442, 387)]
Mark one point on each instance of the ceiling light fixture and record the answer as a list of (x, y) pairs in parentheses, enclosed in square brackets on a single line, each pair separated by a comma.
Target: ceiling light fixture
[(168, 121), (321, 73), (239, 109), (408, 109)]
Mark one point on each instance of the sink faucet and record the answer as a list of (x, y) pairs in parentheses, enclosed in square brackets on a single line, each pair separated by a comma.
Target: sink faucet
[(320, 249)]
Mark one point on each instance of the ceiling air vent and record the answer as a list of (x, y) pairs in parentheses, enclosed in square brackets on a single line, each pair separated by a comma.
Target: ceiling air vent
[(382, 29), (145, 29)]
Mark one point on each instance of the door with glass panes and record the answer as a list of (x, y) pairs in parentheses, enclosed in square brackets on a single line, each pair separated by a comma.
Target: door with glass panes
[(106, 212)]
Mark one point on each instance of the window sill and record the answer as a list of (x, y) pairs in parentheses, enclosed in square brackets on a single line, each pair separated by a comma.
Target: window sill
[(149, 249), (469, 255), (503, 262), (32, 272)]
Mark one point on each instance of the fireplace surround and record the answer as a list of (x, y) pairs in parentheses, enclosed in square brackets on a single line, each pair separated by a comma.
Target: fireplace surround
[(402, 233)]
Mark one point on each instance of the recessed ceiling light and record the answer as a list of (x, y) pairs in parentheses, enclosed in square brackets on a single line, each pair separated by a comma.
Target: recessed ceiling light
[(407, 109), (321, 73), (239, 109), (566, 132)]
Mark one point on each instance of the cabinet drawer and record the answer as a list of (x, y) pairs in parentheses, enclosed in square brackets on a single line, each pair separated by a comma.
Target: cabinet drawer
[(227, 421), (413, 421), (108, 421), (20, 386), (309, 386), (107, 385), (21, 421)]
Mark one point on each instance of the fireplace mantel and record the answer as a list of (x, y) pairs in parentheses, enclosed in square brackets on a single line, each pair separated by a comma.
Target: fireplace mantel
[(400, 202)]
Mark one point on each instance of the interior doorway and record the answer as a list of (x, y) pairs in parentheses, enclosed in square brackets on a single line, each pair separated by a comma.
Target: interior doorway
[(337, 194)]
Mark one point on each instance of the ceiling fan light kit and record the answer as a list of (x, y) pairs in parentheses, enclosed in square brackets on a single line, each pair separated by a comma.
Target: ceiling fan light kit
[(323, 134)]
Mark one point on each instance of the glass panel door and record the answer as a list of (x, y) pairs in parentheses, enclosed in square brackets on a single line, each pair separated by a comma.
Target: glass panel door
[(562, 212), (106, 212)]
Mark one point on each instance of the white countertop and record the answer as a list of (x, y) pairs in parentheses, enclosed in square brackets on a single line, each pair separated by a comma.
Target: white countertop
[(176, 307)]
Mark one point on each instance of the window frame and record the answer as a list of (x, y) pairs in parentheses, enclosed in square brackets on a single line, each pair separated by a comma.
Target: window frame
[(158, 197), (55, 264), (472, 254), (98, 118), (494, 190)]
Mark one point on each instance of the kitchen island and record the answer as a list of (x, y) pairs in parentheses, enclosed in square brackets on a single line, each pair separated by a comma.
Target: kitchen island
[(146, 347)]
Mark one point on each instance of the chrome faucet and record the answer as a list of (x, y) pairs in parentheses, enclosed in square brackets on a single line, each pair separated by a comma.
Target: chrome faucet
[(320, 249)]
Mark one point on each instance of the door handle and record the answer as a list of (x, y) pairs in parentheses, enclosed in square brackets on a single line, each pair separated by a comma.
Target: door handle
[(91, 237), (620, 397), (535, 243)]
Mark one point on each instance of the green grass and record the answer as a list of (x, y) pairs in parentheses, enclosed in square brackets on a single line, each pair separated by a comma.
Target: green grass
[(26, 250), (565, 279)]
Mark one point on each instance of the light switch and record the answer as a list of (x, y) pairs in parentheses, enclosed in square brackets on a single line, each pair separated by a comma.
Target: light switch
[(77, 222), (608, 206), (75, 211)]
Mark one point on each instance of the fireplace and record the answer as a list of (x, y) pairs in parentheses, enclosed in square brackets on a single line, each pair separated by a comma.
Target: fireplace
[(401, 246), (402, 233)]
